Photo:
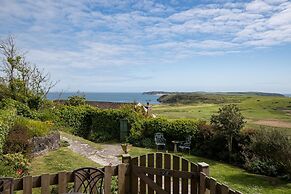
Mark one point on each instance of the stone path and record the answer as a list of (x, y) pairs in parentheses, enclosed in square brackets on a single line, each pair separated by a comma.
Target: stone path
[(108, 155)]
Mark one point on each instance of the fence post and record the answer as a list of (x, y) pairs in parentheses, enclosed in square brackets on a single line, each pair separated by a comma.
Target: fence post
[(126, 159), (203, 167)]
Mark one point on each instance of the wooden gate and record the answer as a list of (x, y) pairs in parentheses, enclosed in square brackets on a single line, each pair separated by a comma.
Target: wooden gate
[(163, 173), (169, 174)]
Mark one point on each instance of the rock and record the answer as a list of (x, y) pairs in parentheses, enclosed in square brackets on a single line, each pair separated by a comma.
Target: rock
[(42, 145)]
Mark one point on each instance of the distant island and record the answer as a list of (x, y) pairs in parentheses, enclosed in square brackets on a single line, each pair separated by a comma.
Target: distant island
[(216, 93), (207, 97)]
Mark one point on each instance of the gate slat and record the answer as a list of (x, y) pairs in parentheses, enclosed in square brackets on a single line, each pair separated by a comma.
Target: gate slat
[(27, 185), (142, 183), (108, 178), (159, 164), (224, 189), (212, 186), (167, 163), (151, 164), (62, 182), (45, 184), (194, 181), (121, 179), (134, 179), (176, 182), (202, 187), (185, 167)]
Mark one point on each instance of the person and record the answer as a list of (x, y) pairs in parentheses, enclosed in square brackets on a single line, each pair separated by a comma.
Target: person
[(147, 108)]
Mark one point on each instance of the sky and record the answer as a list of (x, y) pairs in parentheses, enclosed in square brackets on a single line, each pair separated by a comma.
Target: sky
[(146, 45)]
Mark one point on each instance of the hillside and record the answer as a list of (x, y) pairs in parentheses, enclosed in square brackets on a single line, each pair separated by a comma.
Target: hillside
[(214, 98)]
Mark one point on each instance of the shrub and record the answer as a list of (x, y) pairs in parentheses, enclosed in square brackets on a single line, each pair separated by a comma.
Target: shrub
[(17, 140), (34, 102), (76, 117), (18, 162), (36, 128), (6, 120), (107, 122), (269, 147), (76, 101), (21, 108), (228, 121)]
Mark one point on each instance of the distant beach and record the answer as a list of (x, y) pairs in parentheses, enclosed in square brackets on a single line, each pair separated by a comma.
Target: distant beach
[(108, 97)]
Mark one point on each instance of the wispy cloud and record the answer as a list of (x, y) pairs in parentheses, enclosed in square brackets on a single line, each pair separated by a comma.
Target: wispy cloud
[(91, 34)]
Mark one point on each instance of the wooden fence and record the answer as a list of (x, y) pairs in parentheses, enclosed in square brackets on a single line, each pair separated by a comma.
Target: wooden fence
[(162, 173)]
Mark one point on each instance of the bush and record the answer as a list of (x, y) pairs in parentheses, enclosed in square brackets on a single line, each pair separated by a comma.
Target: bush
[(76, 101), (21, 108), (18, 162), (269, 147), (228, 121), (36, 128), (17, 140), (6, 121), (76, 117)]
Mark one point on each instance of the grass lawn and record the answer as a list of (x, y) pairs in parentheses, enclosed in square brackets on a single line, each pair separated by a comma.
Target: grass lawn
[(234, 177), (59, 160)]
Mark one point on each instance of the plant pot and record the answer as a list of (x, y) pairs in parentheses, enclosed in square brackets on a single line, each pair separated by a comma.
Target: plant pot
[(125, 147)]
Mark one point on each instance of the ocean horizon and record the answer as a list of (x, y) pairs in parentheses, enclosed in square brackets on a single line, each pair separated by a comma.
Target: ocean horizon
[(121, 97)]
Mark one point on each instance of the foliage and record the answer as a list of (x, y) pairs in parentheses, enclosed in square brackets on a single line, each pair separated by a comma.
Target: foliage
[(76, 100), (36, 128), (21, 108), (228, 121), (18, 162), (25, 82), (6, 120), (269, 153), (17, 140), (76, 117), (172, 130)]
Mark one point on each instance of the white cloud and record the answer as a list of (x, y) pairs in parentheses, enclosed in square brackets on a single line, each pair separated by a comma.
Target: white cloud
[(87, 35)]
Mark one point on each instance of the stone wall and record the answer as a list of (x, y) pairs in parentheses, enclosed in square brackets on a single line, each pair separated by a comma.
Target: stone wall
[(42, 145)]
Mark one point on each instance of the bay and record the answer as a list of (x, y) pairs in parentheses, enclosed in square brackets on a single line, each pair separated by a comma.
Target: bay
[(108, 97)]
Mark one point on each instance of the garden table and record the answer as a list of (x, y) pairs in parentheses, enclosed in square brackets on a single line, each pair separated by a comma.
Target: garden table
[(175, 142)]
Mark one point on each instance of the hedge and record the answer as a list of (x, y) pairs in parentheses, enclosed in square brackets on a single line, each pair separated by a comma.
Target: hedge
[(171, 129)]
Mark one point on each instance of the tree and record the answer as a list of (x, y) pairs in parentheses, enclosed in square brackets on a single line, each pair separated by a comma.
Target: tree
[(23, 80), (228, 121)]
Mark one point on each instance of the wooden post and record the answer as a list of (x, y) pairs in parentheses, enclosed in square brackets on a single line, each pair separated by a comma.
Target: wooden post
[(107, 179), (126, 159), (203, 167)]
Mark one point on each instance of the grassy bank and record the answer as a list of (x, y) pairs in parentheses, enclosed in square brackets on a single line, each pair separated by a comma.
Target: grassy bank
[(59, 160)]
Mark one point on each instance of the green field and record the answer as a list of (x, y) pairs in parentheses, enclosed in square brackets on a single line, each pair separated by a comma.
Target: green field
[(258, 110)]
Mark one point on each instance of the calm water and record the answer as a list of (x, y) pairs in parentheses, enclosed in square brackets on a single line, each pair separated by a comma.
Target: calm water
[(108, 97)]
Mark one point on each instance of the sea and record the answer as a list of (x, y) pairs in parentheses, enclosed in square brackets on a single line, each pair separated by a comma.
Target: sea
[(108, 97)]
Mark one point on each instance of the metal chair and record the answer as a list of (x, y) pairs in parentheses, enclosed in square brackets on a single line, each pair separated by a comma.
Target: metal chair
[(88, 180), (186, 145), (6, 185), (160, 141)]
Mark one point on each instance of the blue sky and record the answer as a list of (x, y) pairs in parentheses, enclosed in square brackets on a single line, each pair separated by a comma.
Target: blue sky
[(141, 45)]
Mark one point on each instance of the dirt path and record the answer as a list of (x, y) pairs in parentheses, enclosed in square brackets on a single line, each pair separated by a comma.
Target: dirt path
[(106, 156), (274, 123)]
